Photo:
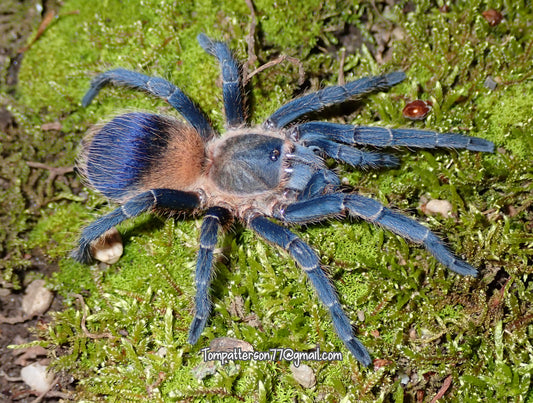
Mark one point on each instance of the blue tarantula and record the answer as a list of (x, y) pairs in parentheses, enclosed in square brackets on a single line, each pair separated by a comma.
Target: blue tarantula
[(258, 175)]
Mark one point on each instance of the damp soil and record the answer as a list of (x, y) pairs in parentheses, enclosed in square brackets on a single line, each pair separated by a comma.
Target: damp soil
[(18, 21)]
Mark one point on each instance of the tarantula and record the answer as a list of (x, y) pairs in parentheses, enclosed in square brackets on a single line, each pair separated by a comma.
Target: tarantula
[(257, 175)]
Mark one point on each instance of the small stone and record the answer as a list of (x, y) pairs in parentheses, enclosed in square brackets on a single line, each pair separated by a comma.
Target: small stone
[(490, 83), (404, 378), (229, 344), (304, 375), (108, 248), (37, 299), (436, 206), (37, 377), (205, 369), (56, 126)]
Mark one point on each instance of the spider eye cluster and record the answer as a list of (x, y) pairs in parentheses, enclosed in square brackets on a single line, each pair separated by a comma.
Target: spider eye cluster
[(274, 154)]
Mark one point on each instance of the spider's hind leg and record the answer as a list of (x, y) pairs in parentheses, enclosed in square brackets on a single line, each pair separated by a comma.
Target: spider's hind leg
[(373, 211), (309, 262), (162, 198), (156, 86), (215, 217)]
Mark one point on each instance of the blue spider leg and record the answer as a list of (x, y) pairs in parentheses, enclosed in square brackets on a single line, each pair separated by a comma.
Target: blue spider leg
[(330, 96), (215, 217), (155, 198), (384, 137), (350, 155), (373, 211), (322, 181), (231, 79), (158, 87), (307, 259)]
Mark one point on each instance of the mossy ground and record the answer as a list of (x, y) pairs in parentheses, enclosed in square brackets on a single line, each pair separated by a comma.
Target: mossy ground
[(422, 322)]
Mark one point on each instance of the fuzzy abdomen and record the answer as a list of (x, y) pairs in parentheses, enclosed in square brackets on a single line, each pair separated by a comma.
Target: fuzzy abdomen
[(139, 151)]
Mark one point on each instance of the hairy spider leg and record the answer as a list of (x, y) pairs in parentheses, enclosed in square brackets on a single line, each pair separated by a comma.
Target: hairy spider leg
[(231, 80), (155, 86), (307, 259), (329, 96), (373, 211), (151, 199), (349, 155), (322, 181), (214, 219), (384, 137)]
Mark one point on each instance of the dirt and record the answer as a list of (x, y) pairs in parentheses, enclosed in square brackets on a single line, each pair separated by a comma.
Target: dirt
[(18, 20)]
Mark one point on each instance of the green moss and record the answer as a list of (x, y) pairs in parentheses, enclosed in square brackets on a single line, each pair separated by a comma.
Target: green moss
[(411, 313), (509, 119)]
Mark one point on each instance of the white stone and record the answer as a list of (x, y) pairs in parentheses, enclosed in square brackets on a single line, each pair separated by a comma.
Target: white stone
[(37, 299), (304, 375), (37, 377), (108, 248), (436, 206)]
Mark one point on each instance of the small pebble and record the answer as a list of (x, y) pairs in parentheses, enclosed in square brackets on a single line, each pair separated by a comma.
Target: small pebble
[(229, 344), (490, 83), (37, 299), (404, 378), (56, 126), (108, 248), (436, 206), (37, 377), (304, 375)]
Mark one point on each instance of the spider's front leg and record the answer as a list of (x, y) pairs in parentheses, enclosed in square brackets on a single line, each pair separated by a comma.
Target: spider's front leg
[(385, 137), (341, 152), (214, 219), (307, 259), (231, 81), (328, 96), (333, 204)]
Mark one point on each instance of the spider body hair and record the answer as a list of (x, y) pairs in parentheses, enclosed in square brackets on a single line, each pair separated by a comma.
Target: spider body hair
[(258, 175)]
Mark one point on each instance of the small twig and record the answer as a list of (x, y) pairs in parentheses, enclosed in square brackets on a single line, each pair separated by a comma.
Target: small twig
[(43, 394), (278, 60), (341, 67), (250, 39), (252, 57), (10, 378), (447, 383), (166, 274), (45, 23), (90, 335), (54, 171)]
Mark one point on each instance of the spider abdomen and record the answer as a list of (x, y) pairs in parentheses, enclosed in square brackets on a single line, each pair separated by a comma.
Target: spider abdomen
[(138, 151)]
